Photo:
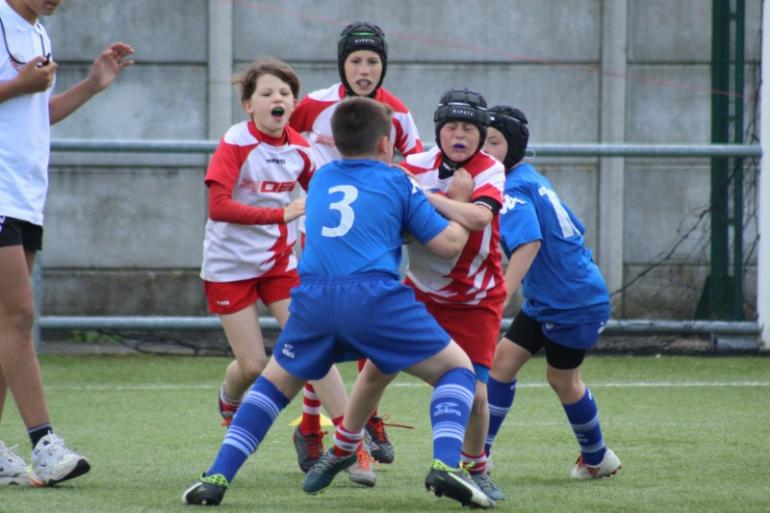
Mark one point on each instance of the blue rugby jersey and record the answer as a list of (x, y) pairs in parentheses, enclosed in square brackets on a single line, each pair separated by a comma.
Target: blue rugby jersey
[(563, 285), (356, 214)]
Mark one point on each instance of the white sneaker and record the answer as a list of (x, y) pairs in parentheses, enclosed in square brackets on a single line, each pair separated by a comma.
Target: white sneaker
[(609, 466), (54, 462), (361, 471), (13, 469)]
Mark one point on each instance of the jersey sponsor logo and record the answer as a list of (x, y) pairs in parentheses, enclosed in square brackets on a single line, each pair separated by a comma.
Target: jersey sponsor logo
[(266, 186), (275, 160), (326, 140), (447, 408), (223, 302), (510, 202), (288, 351)]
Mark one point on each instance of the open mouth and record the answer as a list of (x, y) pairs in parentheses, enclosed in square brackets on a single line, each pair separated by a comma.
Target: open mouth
[(277, 112), (364, 84), (458, 146)]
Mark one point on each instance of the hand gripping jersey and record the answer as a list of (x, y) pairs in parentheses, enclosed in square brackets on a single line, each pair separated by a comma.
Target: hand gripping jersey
[(262, 172), (475, 277), (312, 118), (563, 285), (357, 211)]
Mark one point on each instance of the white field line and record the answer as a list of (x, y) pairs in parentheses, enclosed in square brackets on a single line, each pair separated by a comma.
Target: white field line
[(620, 384)]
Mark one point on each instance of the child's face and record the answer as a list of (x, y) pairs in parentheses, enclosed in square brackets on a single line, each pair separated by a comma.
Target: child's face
[(496, 144), (459, 140), (271, 105), (363, 69)]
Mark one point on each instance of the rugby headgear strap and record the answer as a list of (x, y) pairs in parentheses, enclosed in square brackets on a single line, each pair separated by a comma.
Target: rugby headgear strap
[(361, 35), (512, 123)]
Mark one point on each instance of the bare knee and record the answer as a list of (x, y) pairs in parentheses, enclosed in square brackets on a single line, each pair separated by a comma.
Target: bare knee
[(17, 321), (252, 368), (566, 384), (479, 400)]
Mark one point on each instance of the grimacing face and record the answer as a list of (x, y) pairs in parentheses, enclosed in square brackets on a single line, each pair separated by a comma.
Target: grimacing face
[(363, 70), (459, 140)]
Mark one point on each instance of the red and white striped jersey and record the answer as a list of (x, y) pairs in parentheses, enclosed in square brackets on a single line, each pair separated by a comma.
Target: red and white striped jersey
[(312, 118), (261, 171), (475, 276)]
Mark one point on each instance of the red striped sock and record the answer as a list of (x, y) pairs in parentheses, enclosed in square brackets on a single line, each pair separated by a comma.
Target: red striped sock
[(311, 411), (475, 464), (345, 442)]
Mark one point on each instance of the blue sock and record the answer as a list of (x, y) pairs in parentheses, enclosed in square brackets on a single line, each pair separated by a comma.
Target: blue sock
[(252, 421), (501, 397), (584, 417), (450, 407)]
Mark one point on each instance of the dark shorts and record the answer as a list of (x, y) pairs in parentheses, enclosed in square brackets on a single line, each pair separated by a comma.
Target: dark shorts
[(15, 232), (533, 335), (345, 318)]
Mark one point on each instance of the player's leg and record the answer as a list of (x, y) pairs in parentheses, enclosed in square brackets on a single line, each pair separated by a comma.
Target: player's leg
[(563, 373), (377, 439), (269, 395), (450, 373), (52, 460), (245, 338), (522, 340)]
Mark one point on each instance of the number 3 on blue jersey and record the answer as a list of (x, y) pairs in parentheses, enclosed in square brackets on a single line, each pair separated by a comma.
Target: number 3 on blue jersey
[(347, 215)]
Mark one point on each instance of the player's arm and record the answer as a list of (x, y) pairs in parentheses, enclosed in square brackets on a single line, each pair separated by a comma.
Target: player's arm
[(518, 264), (105, 68), (449, 242), (473, 216)]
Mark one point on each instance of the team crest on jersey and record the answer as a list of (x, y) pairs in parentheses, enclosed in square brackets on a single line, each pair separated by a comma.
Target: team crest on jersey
[(510, 202), (288, 351)]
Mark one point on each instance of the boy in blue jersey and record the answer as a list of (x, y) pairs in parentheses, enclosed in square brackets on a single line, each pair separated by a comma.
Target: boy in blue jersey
[(351, 304), (566, 300)]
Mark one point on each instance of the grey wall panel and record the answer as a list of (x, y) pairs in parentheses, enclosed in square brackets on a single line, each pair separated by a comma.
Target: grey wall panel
[(424, 31), (169, 31), (147, 102), (664, 202), (680, 31), (131, 218), (668, 104)]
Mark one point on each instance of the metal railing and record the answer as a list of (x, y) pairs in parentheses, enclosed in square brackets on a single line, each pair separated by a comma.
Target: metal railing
[(623, 326)]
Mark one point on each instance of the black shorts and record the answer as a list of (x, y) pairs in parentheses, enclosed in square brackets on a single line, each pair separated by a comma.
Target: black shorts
[(528, 333), (15, 232)]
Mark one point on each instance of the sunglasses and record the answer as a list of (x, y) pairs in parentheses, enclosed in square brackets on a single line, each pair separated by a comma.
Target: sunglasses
[(14, 58)]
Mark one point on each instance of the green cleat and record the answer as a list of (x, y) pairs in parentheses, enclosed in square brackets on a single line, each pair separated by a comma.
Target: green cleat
[(456, 484), (321, 475), (208, 491)]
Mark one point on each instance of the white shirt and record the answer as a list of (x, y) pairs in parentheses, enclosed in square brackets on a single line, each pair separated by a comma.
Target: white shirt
[(25, 129)]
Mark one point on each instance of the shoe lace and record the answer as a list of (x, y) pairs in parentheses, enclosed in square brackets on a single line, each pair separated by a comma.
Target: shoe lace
[(377, 425), (440, 465), (327, 461), (364, 459), (215, 479), (314, 443), (8, 454)]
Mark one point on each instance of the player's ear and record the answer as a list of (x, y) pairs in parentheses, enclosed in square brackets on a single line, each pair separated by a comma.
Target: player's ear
[(385, 147)]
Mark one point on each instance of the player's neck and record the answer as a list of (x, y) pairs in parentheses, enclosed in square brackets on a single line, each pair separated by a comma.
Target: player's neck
[(23, 10)]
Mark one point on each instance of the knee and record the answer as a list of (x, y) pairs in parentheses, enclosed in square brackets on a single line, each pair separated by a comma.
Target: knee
[(252, 368), (563, 384), (18, 320), (479, 400)]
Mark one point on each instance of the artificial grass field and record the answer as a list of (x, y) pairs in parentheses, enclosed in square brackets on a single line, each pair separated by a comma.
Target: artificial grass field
[(693, 434)]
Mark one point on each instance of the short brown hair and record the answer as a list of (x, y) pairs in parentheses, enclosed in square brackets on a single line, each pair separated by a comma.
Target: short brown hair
[(247, 81), (358, 124)]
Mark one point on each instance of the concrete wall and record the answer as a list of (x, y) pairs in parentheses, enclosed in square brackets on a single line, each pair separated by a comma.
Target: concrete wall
[(123, 232)]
